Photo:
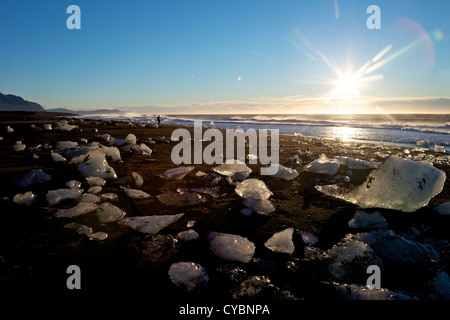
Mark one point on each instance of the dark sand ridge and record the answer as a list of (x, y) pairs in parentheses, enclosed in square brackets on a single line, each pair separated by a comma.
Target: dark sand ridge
[(36, 248)]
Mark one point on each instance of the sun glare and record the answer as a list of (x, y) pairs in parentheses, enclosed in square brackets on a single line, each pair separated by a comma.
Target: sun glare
[(348, 85)]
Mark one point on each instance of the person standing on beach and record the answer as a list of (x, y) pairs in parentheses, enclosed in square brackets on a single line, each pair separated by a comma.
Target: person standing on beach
[(159, 119)]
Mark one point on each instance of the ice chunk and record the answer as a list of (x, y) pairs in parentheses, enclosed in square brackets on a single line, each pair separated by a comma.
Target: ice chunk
[(94, 164), (56, 196), (357, 164), (106, 212), (80, 228), (9, 129), (65, 126), (111, 152), (308, 238), (397, 184), (73, 184), (109, 196), (246, 212), (99, 235), (231, 247), (362, 219), (253, 188), (26, 198), (323, 165), (26, 179), (443, 208), (177, 173), (438, 148), (89, 197), (281, 241), (96, 181), (188, 235), (142, 149), (64, 145), (231, 167), (19, 146), (57, 157), (47, 126), (188, 275), (78, 210), (137, 194), (358, 292), (94, 189), (285, 173), (261, 206), (151, 224), (138, 180)]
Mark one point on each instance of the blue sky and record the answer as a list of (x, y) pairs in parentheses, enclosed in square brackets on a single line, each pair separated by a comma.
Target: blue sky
[(228, 56)]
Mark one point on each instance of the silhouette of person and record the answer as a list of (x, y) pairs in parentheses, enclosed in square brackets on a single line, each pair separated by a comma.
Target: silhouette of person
[(159, 119)]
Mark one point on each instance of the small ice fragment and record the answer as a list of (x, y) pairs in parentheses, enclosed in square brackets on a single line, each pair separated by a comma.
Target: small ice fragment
[(357, 164), (26, 198), (138, 180), (188, 235), (94, 189), (57, 157), (281, 241), (9, 129), (308, 238), (188, 275), (142, 149), (19, 146), (323, 165), (109, 196), (106, 212), (151, 224), (73, 184), (47, 126), (65, 126), (89, 197), (285, 173), (190, 223), (65, 145), (253, 188), (363, 219), (96, 181), (136, 194), (78, 210), (56, 196), (231, 247), (438, 148), (80, 228), (177, 173), (84, 140), (246, 212), (99, 235), (230, 167), (200, 174)]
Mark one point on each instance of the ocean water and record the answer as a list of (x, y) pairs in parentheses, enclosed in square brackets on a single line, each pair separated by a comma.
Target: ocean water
[(401, 129)]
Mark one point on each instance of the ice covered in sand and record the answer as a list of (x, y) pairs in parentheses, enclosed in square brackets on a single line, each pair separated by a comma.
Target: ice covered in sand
[(231, 167), (94, 164), (253, 188), (26, 198), (285, 173), (141, 149), (231, 247), (357, 164), (107, 212), (176, 173), (138, 180), (188, 275), (65, 126), (323, 165), (73, 184), (136, 194), (151, 224), (397, 184), (56, 196), (78, 210), (188, 235), (89, 197), (443, 208), (95, 189), (363, 219), (32, 176), (281, 241), (261, 206)]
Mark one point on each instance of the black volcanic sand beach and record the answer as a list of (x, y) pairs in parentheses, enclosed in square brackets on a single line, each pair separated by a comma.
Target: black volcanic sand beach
[(36, 248)]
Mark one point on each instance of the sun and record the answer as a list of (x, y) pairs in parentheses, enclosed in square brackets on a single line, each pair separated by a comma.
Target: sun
[(347, 86)]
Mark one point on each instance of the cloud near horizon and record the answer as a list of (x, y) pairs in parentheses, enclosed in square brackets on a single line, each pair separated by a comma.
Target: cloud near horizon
[(296, 104)]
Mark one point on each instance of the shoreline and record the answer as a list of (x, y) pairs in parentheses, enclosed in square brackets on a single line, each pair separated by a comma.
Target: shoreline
[(35, 245)]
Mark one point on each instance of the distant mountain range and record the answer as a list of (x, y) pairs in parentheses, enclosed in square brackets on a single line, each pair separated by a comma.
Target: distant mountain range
[(10, 102), (85, 112)]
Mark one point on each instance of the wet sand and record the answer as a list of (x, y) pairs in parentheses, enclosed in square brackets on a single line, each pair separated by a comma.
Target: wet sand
[(36, 248)]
